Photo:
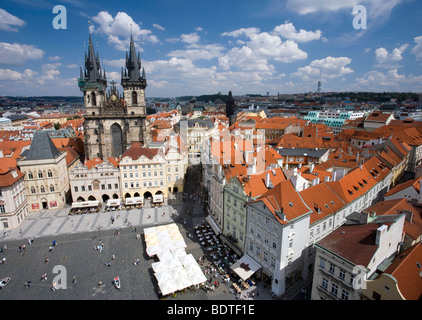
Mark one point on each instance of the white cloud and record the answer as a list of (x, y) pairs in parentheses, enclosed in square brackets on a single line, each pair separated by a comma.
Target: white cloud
[(16, 53), (119, 63), (248, 32), (159, 27), (382, 55), (119, 29), (390, 80), (256, 53), (417, 50), (329, 67), (288, 31), (9, 22), (55, 58), (190, 38), (197, 52), (377, 8)]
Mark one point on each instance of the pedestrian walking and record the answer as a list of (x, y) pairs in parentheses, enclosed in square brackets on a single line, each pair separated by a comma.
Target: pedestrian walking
[(74, 279)]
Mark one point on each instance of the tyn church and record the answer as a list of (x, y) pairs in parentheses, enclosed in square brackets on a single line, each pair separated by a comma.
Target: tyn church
[(113, 121)]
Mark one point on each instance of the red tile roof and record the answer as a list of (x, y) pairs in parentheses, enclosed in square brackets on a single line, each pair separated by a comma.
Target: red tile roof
[(407, 270), (285, 199), (355, 243)]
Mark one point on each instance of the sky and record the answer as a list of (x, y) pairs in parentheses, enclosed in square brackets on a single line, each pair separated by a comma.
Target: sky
[(204, 47)]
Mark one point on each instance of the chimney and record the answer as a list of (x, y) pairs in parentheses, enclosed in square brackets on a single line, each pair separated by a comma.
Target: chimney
[(381, 231), (315, 181), (311, 168), (268, 183)]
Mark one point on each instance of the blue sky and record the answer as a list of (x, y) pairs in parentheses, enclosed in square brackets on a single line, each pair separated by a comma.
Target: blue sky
[(203, 47)]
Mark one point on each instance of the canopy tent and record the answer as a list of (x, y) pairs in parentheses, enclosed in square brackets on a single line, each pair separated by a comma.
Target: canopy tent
[(245, 267), (164, 237), (175, 270), (168, 286), (134, 201), (85, 204), (213, 225), (114, 202)]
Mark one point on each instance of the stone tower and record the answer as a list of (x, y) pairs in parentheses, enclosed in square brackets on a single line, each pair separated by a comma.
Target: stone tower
[(112, 121)]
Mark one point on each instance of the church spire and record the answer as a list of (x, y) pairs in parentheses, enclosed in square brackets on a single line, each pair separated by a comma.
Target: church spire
[(92, 74), (132, 72)]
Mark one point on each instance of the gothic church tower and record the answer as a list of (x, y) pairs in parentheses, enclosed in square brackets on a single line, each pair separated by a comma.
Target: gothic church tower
[(112, 121)]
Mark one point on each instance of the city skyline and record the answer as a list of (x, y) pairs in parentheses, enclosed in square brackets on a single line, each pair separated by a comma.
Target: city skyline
[(191, 48)]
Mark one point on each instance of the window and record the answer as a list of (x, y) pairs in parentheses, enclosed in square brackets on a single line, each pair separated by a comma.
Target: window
[(51, 188), (32, 190), (334, 289), (332, 268), (2, 208), (76, 189), (325, 283), (322, 263), (49, 174), (82, 188), (30, 176), (39, 174), (42, 189), (344, 295), (342, 274)]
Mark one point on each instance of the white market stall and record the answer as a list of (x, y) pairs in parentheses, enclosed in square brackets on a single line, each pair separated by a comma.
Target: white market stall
[(176, 270)]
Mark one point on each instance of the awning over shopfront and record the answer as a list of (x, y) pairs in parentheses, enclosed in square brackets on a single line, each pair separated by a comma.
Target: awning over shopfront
[(85, 204), (157, 198), (114, 202), (134, 201), (213, 225), (245, 267)]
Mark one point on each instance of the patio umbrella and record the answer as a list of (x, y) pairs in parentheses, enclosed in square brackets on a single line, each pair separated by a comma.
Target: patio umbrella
[(167, 287)]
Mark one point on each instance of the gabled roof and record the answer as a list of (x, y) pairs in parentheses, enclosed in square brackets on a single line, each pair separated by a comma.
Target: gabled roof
[(42, 147), (284, 199), (355, 243), (360, 179), (412, 227), (415, 183), (136, 151), (254, 184), (406, 269), (322, 200)]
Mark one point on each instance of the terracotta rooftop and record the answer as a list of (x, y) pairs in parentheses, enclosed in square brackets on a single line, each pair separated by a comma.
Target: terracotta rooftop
[(285, 199), (355, 243), (407, 270)]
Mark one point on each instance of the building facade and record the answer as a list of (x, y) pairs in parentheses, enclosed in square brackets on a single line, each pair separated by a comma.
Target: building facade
[(13, 203), (95, 180), (46, 176)]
